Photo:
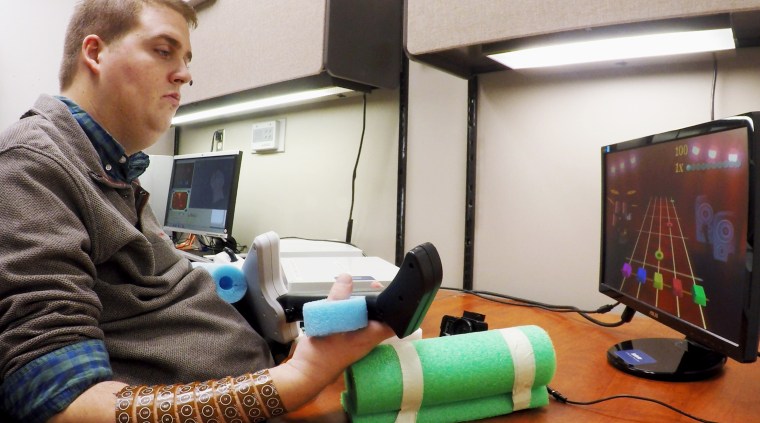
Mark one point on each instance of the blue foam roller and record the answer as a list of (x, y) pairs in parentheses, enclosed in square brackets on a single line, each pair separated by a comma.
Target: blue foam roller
[(230, 280), (325, 317)]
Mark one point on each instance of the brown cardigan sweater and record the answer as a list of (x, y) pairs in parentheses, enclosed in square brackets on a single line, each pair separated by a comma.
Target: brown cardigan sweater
[(83, 257)]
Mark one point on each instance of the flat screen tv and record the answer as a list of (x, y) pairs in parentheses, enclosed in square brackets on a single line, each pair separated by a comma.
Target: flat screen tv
[(202, 193), (679, 220)]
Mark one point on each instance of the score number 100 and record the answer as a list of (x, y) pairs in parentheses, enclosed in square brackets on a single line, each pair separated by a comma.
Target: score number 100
[(681, 150)]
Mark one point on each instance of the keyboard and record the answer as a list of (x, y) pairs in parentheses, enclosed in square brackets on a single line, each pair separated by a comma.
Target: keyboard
[(194, 256)]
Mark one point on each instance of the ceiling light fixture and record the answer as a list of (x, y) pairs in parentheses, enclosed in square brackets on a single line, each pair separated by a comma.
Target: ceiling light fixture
[(259, 104), (614, 49)]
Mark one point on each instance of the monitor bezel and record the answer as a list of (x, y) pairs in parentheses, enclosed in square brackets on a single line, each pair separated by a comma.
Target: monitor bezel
[(747, 348), (229, 218)]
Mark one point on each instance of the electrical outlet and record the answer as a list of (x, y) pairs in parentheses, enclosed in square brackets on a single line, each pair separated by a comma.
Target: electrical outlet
[(219, 140)]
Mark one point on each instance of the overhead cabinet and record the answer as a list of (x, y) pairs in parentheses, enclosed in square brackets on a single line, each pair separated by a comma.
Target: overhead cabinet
[(243, 47), (456, 35)]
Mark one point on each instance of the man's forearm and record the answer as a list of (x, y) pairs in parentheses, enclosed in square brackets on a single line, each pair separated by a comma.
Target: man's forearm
[(95, 405), (248, 398)]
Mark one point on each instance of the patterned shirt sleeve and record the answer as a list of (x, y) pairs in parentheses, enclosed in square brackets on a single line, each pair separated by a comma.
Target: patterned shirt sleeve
[(47, 385)]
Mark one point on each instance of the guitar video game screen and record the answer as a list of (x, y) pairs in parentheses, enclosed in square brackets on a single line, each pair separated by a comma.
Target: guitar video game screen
[(675, 219)]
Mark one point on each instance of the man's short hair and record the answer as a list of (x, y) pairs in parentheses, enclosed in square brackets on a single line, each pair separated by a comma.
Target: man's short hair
[(108, 19)]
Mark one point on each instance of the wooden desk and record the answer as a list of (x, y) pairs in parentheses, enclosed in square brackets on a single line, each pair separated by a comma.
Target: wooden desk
[(583, 373)]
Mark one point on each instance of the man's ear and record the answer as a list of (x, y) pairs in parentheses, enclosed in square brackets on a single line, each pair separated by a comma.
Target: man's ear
[(92, 47)]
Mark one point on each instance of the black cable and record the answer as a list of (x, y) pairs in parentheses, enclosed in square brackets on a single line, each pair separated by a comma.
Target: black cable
[(217, 245), (531, 303), (625, 318), (521, 302), (714, 82), (349, 228), (563, 399), (205, 243)]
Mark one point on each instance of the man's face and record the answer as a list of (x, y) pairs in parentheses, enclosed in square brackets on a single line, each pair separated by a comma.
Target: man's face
[(141, 76)]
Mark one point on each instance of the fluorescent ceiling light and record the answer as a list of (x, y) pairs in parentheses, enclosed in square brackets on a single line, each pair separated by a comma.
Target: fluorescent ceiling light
[(258, 104), (618, 49)]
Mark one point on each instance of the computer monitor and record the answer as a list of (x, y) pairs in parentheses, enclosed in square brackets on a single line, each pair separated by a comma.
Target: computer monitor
[(202, 193), (679, 220)]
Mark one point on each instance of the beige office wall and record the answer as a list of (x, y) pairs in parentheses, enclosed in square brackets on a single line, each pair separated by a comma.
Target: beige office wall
[(538, 197), (306, 191), (31, 45), (436, 165)]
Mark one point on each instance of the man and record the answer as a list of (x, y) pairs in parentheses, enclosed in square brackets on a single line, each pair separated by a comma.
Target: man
[(93, 297)]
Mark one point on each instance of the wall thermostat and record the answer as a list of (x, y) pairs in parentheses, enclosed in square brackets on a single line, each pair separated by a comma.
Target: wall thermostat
[(268, 136)]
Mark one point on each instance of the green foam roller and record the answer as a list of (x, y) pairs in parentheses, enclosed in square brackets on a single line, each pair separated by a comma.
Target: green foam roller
[(461, 377), (460, 411)]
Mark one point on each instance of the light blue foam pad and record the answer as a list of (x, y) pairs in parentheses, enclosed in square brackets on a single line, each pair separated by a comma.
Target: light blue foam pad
[(231, 284), (325, 317)]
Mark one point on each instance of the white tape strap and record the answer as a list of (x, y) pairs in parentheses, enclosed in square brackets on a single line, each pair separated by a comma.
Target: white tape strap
[(524, 360), (413, 384)]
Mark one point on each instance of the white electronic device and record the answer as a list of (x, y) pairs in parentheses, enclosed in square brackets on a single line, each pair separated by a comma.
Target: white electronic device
[(315, 275), (402, 304), (309, 267), (299, 247), (156, 180), (265, 285), (268, 136), (271, 275)]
